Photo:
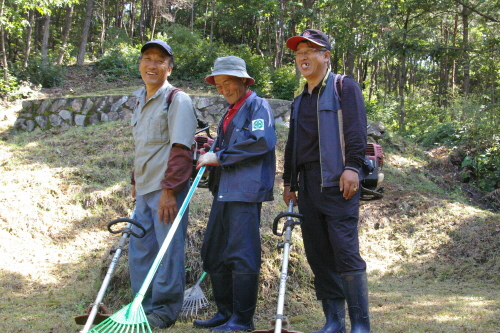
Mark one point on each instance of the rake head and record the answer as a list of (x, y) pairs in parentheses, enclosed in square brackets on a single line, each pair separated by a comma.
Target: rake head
[(129, 319), (194, 300)]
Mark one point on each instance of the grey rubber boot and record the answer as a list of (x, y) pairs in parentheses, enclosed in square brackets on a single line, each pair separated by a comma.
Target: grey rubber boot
[(356, 293), (334, 310)]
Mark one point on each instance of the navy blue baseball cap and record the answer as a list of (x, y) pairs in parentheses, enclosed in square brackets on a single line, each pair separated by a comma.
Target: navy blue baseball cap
[(315, 36), (161, 44)]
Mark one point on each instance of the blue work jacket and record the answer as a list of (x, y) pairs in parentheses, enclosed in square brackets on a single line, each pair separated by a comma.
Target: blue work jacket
[(247, 153)]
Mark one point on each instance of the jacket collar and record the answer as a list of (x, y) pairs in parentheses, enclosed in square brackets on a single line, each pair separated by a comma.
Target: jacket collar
[(304, 82)]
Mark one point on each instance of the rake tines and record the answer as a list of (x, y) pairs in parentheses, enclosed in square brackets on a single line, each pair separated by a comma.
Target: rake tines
[(194, 299), (130, 319)]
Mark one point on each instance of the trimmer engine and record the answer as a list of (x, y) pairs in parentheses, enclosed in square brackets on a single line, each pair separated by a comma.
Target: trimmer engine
[(370, 186)]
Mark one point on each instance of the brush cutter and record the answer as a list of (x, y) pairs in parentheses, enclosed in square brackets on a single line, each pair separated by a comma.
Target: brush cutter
[(194, 300), (292, 219), (98, 312), (132, 317)]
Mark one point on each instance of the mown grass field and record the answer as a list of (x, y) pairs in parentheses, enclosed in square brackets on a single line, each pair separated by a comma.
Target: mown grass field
[(433, 256)]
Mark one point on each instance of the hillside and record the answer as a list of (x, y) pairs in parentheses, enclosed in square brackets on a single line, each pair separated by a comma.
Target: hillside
[(433, 253)]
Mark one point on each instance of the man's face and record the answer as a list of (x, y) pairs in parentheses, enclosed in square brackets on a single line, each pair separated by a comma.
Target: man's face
[(312, 61), (231, 87), (154, 67)]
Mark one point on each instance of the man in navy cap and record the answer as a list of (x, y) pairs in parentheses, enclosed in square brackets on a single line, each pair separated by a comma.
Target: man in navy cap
[(163, 134), (324, 156)]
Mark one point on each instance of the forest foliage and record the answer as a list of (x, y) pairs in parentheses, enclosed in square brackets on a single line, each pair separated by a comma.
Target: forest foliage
[(429, 70)]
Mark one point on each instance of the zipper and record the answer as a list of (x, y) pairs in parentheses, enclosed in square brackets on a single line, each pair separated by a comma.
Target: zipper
[(319, 138)]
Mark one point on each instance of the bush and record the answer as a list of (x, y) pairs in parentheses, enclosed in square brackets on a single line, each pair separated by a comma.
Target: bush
[(257, 67), (7, 88), (442, 134), (120, 62), (193, 58), (46, 76), (284, 82)]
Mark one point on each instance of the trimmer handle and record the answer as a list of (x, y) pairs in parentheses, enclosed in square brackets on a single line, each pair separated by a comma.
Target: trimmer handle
[(290, 221), (127, 229)]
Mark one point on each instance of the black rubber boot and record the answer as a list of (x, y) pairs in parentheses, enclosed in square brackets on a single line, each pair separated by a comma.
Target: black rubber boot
[(334, 310), (222, 288), (356, 293), (245, 289)]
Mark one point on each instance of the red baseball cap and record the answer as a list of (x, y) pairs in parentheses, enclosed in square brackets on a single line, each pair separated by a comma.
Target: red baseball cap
[(315, 36)]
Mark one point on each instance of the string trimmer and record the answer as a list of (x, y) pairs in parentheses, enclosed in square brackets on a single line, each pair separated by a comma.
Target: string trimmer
[(132, 317), (97, 311), (288, 226)]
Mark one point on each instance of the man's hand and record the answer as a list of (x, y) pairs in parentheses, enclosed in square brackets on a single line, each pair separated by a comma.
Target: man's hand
[(349, 183), (287, 196), (207, 159), (206, 148), (167, 206)]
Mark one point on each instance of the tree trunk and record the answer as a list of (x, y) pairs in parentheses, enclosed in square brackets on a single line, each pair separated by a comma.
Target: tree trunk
[(45, 40), (132, 19), (212, 25), (192, 15), (281, 36), (153, 23), (402, 76), (103, 26), (466, 59), (65, 34), (29, 32), (85, 33), (454, 66), (2, 47), (142, 22)]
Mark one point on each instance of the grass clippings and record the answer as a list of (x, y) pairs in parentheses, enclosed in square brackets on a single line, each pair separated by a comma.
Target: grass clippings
[(433, 256)]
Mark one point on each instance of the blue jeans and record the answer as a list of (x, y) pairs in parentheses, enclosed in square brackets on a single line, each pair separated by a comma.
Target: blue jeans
[(165, 294)]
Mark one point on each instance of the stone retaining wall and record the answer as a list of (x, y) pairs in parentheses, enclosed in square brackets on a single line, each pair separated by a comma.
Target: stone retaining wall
[(64, 112)]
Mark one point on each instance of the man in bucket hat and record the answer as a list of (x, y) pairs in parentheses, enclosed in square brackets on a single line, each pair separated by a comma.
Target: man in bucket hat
[(324, 156), (242, 177), (163, 134)]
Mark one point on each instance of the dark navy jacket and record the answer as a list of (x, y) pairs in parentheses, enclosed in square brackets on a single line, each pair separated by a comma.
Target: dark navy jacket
[(342, 137), (247, 154)]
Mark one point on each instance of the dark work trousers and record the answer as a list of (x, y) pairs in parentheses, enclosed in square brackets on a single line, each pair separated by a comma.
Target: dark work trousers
[(232, 239), (329, 231)]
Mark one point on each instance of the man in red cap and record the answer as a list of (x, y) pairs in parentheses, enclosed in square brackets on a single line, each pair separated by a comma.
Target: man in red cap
[(324, 156)]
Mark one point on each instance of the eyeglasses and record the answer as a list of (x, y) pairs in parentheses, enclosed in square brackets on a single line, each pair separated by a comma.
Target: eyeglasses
[(308, 52)]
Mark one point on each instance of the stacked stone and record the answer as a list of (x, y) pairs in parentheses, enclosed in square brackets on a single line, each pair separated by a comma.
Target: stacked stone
[(64, 112)]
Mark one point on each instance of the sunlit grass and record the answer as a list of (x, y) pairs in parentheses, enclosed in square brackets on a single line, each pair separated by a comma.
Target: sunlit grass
[(433, 259)]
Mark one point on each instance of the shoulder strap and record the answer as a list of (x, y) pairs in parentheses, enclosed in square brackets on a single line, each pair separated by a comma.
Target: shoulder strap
[(340, 117), (171, 95), (339, 93)]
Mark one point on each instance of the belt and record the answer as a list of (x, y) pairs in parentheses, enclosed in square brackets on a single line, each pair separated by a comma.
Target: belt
[(309, 166)]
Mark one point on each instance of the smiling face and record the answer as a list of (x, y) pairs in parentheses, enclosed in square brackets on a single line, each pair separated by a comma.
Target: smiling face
[(154, 67), (231, 87), (312, 62)]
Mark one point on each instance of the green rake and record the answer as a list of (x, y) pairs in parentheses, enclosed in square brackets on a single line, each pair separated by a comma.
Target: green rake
[(132, 318)]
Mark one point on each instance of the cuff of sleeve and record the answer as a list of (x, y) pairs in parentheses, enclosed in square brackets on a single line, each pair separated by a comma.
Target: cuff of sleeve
[(132, 178), (351, 168)]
